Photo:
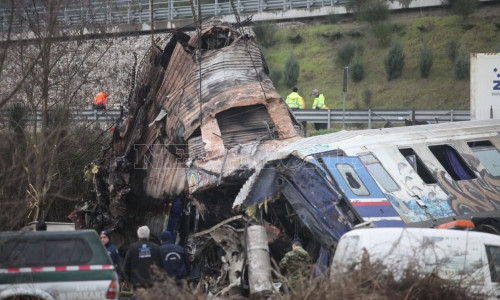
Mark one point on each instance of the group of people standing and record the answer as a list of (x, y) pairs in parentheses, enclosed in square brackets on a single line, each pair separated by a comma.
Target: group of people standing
[(135, 271), (294, 100)]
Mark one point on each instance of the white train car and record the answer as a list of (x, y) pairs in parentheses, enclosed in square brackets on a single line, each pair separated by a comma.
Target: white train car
[(416, 176)]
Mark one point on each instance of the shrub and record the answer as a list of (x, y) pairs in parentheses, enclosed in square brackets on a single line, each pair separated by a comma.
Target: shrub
[(275, 75), (292, 70), (375, 11), (462, 65), (382, 33), (264, 33), (297, 39), (394, 61), (452, 49), (346, 54), (355, 6), (464, 8), (332, 36), (426, 60), (356, 68), (58, 117), (17, 117)]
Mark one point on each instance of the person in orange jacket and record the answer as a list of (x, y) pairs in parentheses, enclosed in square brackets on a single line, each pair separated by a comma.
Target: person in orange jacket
[(100, 101)]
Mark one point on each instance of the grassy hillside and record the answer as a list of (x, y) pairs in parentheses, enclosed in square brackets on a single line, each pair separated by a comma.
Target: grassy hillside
[(317, 56)]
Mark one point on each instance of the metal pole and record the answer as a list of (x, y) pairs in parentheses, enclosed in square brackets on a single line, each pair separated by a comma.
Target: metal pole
[(151, 20), (344, 91), (369, 118), (343, 110), (329, 118)]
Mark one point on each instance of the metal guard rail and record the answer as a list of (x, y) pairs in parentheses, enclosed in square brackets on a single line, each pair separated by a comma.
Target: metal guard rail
[(352, 116), (127, 12), (380, 115)]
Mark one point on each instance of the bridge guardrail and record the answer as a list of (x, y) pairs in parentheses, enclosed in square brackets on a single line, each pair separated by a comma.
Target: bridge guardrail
[(127, 11)]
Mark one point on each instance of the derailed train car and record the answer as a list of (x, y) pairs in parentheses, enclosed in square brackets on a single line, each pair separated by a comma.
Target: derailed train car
[(202, 115), (209, 149), (420, 176)]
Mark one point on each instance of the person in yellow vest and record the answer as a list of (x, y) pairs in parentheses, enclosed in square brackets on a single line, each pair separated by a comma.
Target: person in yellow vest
[(294, 100), (319, 103), (100, 101)]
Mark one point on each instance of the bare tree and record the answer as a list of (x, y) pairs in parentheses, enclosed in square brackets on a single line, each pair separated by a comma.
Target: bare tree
[(47, 67)]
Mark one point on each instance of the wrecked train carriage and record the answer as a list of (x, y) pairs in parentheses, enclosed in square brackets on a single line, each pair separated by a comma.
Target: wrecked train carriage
[(408, 176), (198, 123)]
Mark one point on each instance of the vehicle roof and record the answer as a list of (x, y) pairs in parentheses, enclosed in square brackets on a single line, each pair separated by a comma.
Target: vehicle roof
[(5, 235), (384, 233)]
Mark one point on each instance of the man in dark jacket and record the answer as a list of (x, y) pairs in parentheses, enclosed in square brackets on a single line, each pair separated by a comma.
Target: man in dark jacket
[(175, 259), (140, 257), (112, 252)]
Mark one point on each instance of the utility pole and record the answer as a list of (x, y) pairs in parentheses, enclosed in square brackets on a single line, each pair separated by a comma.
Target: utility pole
[(152, 21), (344, 91)]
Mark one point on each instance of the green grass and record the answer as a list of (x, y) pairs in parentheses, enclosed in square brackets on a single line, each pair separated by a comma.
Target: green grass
[(317, 57)]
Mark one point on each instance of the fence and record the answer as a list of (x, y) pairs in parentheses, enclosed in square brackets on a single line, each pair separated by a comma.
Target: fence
[(127, 11), (78, 116), (352, 116), (370, 116), (121, 12)]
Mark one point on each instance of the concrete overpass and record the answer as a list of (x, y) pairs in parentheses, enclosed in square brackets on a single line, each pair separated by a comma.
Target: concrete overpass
[(130, 15)]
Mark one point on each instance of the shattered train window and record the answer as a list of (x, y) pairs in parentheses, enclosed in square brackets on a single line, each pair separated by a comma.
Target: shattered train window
[(452, 162), (240, 125), (418, 165), (488, 155)]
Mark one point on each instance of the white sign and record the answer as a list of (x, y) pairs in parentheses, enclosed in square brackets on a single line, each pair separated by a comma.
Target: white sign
[(484, 86)]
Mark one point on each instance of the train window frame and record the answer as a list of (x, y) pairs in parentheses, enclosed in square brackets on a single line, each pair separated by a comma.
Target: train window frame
[(458, 169), (352, 178), (379, 173), (477, 147), (414, 160), (493, 255)]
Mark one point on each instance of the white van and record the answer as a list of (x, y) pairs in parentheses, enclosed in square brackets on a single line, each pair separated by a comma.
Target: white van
[(468, 257)]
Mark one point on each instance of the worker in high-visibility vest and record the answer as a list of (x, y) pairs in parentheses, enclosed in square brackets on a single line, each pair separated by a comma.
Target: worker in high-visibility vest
[(100, 101), (294, 100), (319, 103)]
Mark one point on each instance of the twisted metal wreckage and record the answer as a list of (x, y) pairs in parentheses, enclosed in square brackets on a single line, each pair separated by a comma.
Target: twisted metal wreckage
[(208, 149), (188, 144)]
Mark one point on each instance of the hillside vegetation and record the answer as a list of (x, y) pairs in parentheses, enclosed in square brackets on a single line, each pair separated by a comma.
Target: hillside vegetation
[(321, 41)]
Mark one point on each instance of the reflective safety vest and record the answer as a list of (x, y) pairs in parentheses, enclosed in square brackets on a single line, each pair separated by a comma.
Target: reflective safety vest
[(302, 103), (294, 100), (100, 99), (319, 102)]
